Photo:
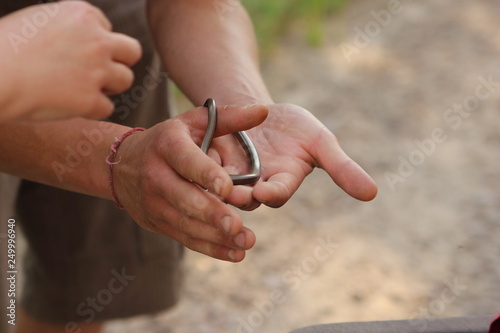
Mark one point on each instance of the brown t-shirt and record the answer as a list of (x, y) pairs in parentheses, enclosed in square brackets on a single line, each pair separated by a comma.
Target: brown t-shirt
[(77, 243)]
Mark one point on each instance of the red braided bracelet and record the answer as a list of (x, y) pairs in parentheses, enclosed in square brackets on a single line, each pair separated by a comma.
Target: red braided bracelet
[(110, 160)]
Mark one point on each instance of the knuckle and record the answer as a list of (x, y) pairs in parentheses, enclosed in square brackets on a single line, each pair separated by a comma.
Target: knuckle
[(149, 225), (103, 112), (184, 160), (223, 239), (213, 250), (191, 244), (212, 216), (185, 240), (135, 50), (182, 206), (81, 12), (96, 104), (78, 6), (184, 225), (102, 46), (170, 141), (98, 76), (128, 78)]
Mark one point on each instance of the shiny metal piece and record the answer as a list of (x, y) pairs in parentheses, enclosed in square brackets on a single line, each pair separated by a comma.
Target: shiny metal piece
[(245, 179)]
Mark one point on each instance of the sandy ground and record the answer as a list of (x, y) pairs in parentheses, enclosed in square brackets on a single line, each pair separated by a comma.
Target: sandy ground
[(428, 245), (412, 108)]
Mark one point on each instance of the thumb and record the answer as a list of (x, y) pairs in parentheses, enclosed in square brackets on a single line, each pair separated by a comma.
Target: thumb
[(230, 118), (233, 118), (346, 173)]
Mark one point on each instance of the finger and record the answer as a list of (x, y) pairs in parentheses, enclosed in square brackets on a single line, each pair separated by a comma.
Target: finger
[(242, 198), (196, 229), (230, 119), (245, 239), (210, 249), (119, 79), (215, 155), (103, 20), (277, 190), (126, 49), (189, 161), (346, 173), (99, 108), (232, 155), (201, 237), (190, 200)]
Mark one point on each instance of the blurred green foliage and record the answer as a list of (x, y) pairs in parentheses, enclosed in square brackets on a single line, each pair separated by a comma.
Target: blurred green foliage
[(272, 18)]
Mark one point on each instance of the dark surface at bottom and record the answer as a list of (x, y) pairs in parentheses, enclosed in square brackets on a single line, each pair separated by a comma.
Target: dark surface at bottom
[(422, 325)]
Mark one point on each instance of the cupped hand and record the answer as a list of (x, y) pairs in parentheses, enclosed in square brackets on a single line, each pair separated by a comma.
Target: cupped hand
[(62, 59), (291, 142), (162, 175)]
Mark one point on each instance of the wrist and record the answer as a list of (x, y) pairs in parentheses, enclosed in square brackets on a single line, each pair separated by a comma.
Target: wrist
[(239, 95), (114, 159), (102, 136)]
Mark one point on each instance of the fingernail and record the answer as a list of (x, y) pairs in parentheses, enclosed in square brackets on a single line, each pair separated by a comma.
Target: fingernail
[(218, 185), (231, 255), (227, 224), (239, 240)]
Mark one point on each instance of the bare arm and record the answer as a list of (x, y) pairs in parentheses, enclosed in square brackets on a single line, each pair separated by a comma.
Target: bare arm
[(156, 179), (208, 52), (67, 154)]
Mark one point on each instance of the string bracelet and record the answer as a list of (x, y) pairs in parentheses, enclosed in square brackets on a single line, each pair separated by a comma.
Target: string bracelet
[(110, 160)]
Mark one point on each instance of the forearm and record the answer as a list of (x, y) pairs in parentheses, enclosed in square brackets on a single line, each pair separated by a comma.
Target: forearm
[(206, 54), (7, 108), (12, 106), (67, 154)]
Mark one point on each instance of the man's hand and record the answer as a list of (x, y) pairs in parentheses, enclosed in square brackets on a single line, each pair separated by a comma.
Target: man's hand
[(161, 176), (290, 143), (62, 59)]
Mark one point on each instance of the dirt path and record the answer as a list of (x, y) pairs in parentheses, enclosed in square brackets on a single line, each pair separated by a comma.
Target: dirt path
[(428, 245)]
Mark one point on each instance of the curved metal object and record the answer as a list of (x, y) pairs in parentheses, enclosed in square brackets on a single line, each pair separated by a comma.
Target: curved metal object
[(245, 179)]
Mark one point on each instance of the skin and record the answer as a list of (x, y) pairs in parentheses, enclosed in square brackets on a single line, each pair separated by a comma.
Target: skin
[(85, 61), (170, 152), (184, 211), (291, 142), (162, 171)]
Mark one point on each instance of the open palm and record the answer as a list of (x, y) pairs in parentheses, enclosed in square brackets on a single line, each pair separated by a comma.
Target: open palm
[(291, 142)]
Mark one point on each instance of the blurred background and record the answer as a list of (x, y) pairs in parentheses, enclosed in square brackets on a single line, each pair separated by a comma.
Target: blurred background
[(410, 89)]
